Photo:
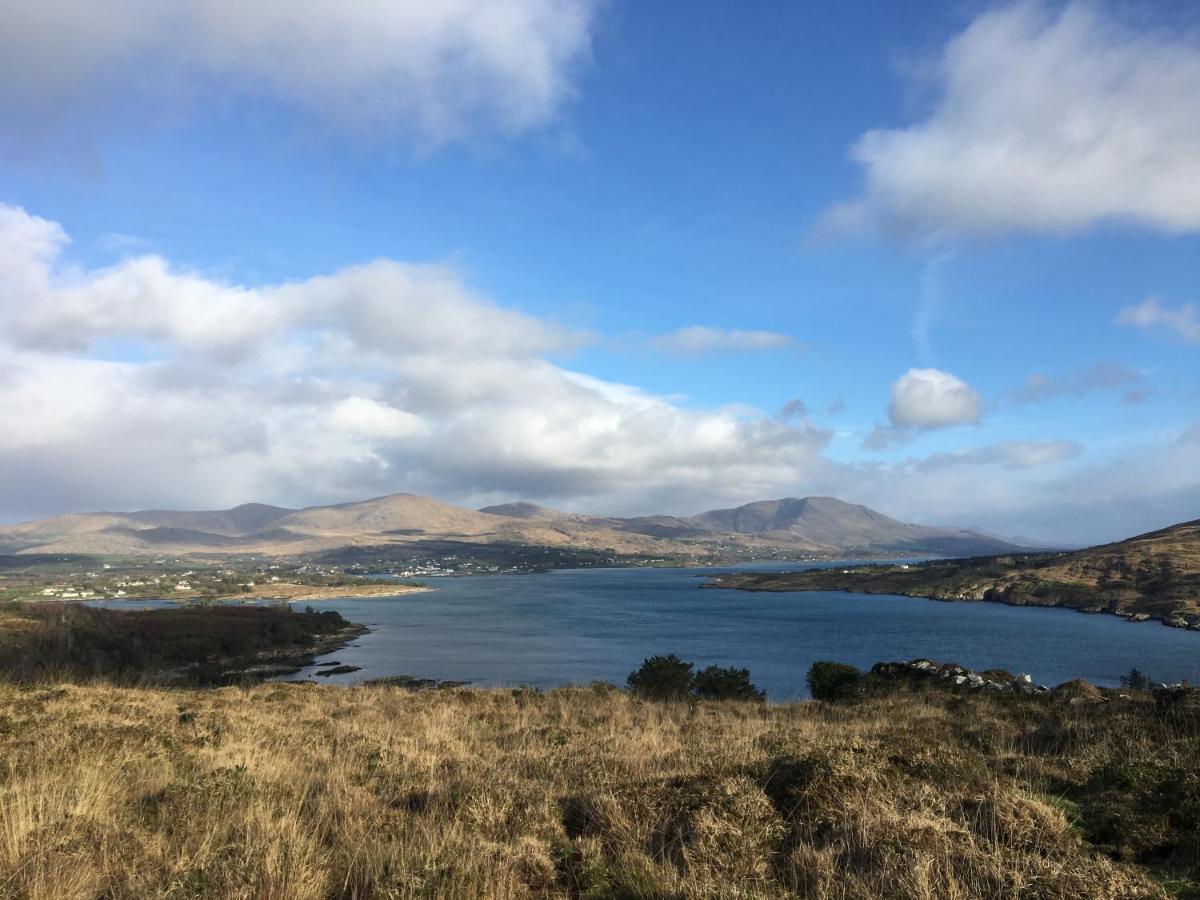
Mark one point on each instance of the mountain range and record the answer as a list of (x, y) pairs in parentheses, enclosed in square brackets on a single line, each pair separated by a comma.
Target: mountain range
[(399, 522)]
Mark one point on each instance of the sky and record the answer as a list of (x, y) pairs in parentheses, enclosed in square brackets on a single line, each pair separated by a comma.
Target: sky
[(940, 259)]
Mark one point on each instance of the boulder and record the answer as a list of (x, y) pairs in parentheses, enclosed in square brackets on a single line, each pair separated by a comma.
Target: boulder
[(337, 670)]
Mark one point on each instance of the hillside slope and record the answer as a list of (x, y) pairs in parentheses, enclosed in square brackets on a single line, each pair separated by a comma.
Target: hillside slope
[(1154, 575), (330, 794)]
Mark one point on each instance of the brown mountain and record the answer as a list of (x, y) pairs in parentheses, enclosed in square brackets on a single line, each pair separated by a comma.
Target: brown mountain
[(816, 525)]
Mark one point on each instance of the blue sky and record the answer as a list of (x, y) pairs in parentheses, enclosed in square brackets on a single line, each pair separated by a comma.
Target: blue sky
[(964, 235)]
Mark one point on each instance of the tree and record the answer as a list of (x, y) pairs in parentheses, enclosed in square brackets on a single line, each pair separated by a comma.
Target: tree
[(1135, 680), (719, 683), (833, 680), (662, 678)]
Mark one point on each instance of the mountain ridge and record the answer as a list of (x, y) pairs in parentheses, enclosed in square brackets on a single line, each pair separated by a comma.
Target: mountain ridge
[(802, 525)]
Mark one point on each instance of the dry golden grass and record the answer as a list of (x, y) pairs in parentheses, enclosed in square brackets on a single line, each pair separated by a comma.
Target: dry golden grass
[(294, 791)]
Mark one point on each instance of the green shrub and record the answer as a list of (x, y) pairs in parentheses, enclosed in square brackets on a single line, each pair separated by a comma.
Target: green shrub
[(719, 683), (833, 680), (662, 678)]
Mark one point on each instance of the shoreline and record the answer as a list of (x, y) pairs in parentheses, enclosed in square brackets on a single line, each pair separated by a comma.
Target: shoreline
[(312, 594), (1136, 618), (273, 663), (337, 592)]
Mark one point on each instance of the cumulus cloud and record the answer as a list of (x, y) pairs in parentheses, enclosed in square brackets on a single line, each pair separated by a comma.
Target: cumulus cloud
[(1045, 119), (379, 377), (1150, 315), (931, 398), (700, 340), (439, 70), (923, 400)]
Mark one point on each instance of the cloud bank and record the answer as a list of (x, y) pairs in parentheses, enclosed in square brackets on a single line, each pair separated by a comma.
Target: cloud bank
[(147, 385), (142, 384), (1046, 119), (436, 71)]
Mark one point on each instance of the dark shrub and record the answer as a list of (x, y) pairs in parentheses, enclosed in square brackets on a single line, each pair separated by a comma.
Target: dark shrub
[(833, 680), (662, 678), (1135, 680), (719, 683)]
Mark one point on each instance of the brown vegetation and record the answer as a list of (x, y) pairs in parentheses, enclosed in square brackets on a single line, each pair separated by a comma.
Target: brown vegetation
[(294, 791)]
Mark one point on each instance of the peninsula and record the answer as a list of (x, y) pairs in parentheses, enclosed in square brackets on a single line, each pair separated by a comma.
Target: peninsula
[(1151, 576)]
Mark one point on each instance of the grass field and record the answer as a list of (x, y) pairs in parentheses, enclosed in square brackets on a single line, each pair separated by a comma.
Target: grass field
[(298, 791)]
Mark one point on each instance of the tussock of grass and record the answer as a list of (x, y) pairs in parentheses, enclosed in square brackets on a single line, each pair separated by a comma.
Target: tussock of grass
[(294, 791)]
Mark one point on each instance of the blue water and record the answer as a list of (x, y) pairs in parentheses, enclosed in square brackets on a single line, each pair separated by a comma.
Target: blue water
[(579, 625)]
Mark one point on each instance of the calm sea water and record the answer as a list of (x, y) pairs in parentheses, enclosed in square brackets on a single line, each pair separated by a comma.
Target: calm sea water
[(579, 625)]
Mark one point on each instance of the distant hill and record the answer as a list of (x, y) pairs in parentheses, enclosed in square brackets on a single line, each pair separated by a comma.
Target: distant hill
[(1154, 575), (244, 519), (820, 526), (523, 510), (829, 522)]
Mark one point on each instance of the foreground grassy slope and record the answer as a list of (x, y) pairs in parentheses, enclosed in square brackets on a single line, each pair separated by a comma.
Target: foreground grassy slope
[(1156, 575), (294, 791)]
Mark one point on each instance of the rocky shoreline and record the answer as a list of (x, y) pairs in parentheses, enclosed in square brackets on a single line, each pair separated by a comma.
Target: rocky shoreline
[(999, 681), (273, 663)]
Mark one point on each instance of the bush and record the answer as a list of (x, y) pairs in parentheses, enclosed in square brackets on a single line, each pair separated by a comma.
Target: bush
[(833, 680), (719, 683), (1135, 680), (662, 678)]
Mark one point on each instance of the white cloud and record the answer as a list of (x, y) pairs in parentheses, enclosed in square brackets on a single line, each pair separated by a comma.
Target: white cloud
[(373, 419), (1147, 488), (700, 340), (437, 70), (379, 377), (931, 398), (1150, 315), (1046, 119)]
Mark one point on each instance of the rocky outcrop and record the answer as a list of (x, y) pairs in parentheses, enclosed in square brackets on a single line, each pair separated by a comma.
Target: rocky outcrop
[(954, 675)]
